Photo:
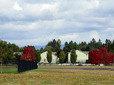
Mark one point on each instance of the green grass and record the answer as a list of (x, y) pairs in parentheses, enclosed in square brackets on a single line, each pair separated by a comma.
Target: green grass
[(47, 82), (15, 70), (9, 70)]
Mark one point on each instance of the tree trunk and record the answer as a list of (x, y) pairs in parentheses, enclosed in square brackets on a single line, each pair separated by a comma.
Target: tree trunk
[(1, 66)]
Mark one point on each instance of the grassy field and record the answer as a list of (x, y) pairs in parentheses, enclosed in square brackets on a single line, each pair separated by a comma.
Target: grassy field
[(58, 76)]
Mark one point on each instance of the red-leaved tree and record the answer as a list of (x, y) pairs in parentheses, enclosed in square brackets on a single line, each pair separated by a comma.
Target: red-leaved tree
[(101, 56), (113, 58), (28, 54), (104, 53), (109, 58), (95, 57)]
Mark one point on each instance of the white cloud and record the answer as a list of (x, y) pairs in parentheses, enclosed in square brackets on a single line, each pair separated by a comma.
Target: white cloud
[(40, 11), (35, 41), (37, 22), (20, 27), (95, 35), (68, 37), (17, 7), (110, 29), (93, 4)]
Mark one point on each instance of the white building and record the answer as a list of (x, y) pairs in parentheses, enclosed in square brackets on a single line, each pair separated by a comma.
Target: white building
[(82, 56)]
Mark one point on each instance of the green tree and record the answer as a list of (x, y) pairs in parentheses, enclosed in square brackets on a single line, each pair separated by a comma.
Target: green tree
[(66, 49), (61, 57), (87, 48), (41, 50), (56, 45), (73, 57), (57, 48), (59, 43), (9, 56), (48, 48), (38, 56), (14, 47), (49, 56), (75, 46), (2, 53), (21, 49), (66, 43)]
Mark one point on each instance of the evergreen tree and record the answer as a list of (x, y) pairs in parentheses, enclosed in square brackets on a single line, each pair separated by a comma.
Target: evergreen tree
[(75, 46), (73, 57), (56, 45), (49, 56), (66, 43), (66, 49), (38, 56), (41, 50), (61, 57), (59, 43)]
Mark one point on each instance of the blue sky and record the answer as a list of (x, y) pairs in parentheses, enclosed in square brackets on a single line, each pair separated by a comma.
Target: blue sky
[(36, 22)]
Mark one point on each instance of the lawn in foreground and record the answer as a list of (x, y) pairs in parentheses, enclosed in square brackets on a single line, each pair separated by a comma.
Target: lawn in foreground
[(59, 77)]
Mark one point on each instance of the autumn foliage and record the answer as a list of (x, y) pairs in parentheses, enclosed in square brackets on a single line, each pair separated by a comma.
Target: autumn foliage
[(95, 57), (101, 56), (28, 54)]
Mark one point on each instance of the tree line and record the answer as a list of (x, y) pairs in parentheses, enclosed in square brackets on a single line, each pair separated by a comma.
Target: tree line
[(7, 49), (83, 46), (55, 45)]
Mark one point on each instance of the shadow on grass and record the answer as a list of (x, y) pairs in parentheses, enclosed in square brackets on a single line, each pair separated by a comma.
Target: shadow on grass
[(36, 70)]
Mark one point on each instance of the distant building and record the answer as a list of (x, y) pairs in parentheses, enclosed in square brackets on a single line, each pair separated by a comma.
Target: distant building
[(19, 53)]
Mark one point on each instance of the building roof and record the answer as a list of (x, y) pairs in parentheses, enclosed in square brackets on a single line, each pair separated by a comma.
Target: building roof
[(20, 53), (86, 52)]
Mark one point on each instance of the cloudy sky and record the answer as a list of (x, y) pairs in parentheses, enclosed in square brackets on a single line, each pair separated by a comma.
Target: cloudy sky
[(36, 22)]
